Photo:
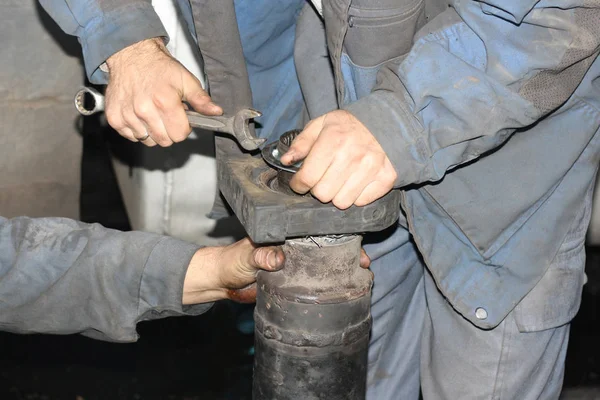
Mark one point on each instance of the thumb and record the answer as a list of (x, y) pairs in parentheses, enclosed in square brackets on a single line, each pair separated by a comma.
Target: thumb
[(267, 258), (304, 142), (192, 92), (365, 261)]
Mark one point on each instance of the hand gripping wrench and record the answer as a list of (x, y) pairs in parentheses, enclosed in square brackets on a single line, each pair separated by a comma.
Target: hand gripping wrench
[(236, 125)]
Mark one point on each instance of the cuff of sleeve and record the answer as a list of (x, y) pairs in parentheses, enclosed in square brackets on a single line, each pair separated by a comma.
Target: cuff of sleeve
[(397, 130), (161, 286), (115, 30)]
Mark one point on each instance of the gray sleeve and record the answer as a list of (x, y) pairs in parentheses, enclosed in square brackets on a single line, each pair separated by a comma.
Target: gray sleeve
[(61, 276), (476, 73), (104, 27)]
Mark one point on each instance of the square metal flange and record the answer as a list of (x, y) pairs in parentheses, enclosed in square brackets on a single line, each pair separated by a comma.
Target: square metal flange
[(270, 216)]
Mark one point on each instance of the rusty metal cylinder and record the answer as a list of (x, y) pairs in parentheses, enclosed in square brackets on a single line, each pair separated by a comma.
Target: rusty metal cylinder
[(312, 323)]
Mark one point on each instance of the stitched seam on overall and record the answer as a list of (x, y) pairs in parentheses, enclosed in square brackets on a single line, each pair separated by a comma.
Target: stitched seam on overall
[(504, 352)]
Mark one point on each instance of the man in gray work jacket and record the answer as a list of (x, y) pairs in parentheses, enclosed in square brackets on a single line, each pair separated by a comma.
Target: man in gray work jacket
[(61, 276), (485, 113)]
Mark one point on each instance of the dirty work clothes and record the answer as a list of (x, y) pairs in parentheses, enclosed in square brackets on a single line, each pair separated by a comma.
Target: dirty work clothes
[(419, 342), (253, 52), (490, 112), (266, 29), (61, 276), (502, 237)]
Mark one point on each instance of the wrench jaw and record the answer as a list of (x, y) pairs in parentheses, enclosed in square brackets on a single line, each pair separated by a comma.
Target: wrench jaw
[(242, 132)]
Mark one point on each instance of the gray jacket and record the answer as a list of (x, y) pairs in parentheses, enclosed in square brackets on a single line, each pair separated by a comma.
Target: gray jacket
[(60, 276), (489, 110)]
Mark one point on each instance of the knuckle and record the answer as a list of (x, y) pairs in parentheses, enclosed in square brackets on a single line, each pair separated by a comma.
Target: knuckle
[(179, 133), (360, 202), (162, 102), (182, 133), (342, 203), (114, 119), (389, 182), (165, 143), (177, 138), (371, 162), (304, 181), (323, 193), (127, 135), (387, 177), (162, 140), (143, 108)]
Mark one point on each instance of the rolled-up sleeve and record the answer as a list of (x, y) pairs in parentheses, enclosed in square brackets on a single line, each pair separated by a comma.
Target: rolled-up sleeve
[(105, 27), (61, 276), (476, 73)]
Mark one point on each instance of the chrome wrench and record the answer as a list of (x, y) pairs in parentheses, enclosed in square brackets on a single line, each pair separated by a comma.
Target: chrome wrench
[(236, 125)]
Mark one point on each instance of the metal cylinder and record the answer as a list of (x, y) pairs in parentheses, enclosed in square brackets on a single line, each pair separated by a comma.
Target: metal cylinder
[(312, 323), (89, 101)]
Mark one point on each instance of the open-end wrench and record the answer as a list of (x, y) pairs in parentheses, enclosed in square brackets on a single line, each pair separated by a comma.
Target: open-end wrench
[(236, 125)]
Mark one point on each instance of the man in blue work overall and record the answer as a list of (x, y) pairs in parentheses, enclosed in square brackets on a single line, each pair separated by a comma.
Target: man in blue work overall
[(485, 113)]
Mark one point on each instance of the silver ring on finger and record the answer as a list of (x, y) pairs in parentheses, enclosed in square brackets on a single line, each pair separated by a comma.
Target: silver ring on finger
[(146, 136)]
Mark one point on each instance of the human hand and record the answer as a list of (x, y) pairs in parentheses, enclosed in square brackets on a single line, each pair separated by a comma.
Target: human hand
[(145, 92), (229, 272), (343, 162)]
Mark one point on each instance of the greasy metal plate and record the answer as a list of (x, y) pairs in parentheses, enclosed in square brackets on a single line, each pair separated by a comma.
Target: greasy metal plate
[(270, 216), (272, 156), (272, 152)]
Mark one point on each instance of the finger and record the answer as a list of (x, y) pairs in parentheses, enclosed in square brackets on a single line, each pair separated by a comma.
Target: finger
[(352, 188), (127, 133), (314, 166), (147, 112), (304, 142), (193, 93), (147, 141), (333, 180), (373, 191), (365, 261), (117, 121), (174, 118), (268, 258), (138, 128), (244, 295)]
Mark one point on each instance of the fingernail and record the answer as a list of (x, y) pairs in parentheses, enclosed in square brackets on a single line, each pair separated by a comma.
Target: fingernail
[(276, 259), (288, 157), (272, 260), (214, 106)]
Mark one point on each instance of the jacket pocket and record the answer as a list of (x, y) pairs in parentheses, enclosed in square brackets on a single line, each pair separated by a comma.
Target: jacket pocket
[(375, 36), (556, 298)]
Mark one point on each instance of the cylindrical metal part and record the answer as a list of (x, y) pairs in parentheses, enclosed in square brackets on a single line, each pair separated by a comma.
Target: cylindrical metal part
[(312, 323), (89, 101)]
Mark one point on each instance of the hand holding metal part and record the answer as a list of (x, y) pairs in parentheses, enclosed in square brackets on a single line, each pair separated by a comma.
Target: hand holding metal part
[(236, 125)]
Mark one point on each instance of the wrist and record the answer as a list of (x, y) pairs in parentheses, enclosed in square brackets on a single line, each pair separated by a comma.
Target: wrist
[(202, 282), (140, 49)]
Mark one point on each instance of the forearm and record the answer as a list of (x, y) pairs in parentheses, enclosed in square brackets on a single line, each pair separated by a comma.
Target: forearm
[(105, 27), (62, 276), (475, 75)]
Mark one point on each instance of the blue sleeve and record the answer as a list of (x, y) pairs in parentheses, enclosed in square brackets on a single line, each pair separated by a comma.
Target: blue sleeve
[(475, 74), (105, 27), (61, 276)]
